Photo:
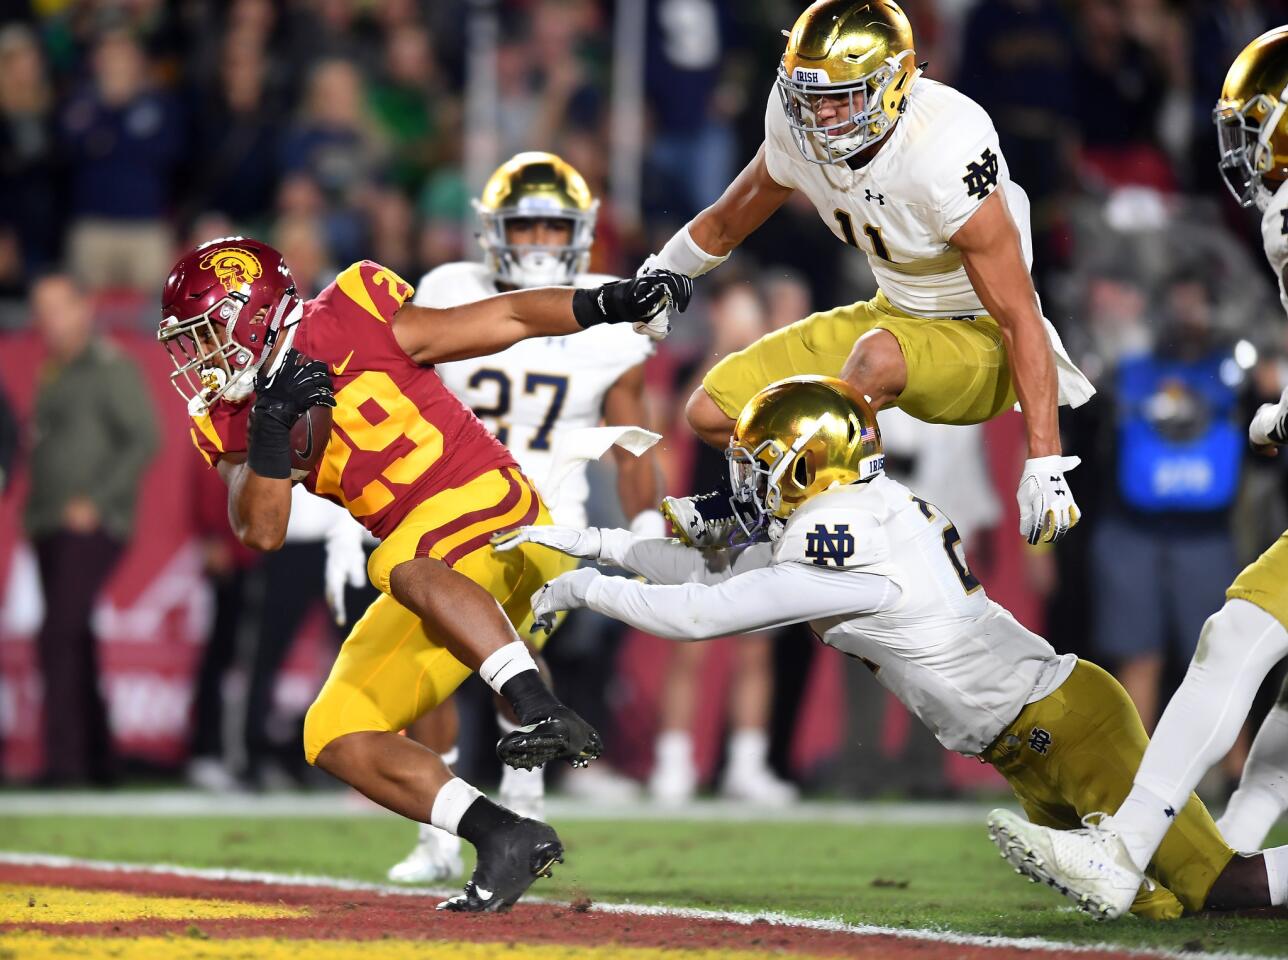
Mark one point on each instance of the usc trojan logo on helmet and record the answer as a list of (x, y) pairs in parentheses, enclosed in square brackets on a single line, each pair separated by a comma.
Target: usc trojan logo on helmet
[(234, 266)]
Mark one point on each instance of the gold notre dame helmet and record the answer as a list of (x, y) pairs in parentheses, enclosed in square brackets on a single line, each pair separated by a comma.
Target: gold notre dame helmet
[(859, 49), (536, 186), (794, 440), (1250, 119)]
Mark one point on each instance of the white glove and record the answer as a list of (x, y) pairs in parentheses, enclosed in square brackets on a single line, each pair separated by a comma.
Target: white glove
[(569, 540), (1047, 510), (346, 564), (564, 592), (1269, 426), (649, 525), (659, 325)]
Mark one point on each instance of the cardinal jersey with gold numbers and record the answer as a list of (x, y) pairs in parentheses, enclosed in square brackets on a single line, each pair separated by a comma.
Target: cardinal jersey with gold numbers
[(400, 436), (537, 389), (938, 165)]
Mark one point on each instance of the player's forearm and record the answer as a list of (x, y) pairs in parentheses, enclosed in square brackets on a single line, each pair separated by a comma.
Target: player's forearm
[(689, 611), (259, 508), (1036, 384), (491, 325), (746, 203)]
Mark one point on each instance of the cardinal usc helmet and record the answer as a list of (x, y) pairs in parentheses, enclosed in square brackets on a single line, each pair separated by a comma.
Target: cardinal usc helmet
[(1251, 125), (796, 439), (860, 51), (536, 186), (223, 308)]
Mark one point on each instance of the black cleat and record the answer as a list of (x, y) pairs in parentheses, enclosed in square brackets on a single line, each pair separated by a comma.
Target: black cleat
[(561, 736), (508, 861)]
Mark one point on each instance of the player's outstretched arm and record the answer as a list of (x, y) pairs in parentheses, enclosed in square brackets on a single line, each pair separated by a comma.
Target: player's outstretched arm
[(707, 240), (994, 260), (431, 335)]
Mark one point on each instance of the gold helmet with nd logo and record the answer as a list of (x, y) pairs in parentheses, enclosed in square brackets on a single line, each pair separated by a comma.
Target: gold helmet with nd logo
[(796, 439), (1252, 118), (538, 221), (856, 51)]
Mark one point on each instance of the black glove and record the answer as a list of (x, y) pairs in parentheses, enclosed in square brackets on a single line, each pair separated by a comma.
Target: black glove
[(280, 400), (632, 301)]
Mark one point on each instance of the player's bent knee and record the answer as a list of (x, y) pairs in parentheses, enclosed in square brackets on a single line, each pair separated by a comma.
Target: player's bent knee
[(876, 367), (707, 419), (1240, 639)]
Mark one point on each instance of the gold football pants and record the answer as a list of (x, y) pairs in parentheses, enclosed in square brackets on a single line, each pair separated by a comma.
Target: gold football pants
[(1076, 752), (957, 368), (1264, 582), (390, 670)]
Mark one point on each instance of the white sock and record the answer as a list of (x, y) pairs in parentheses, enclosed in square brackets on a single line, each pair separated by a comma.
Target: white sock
[(454, 798), (673, 748), (1238, 646), (1263, 790), (503, 665), (426, 831), (519, 783), (748, 749), (1276, 861)]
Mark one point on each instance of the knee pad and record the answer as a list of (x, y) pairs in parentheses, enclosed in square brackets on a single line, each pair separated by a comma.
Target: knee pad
[(1240, 641)]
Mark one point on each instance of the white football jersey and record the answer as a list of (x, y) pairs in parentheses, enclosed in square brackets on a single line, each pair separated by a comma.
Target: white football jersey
[(530, 392), (939, 163), (880, 575), (1274, 237)]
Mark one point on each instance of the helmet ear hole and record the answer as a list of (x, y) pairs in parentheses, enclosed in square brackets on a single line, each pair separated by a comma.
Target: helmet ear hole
[(801, 471)]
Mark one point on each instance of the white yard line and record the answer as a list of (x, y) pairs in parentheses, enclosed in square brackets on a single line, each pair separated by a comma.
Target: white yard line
[(191, 803), (621, 909)]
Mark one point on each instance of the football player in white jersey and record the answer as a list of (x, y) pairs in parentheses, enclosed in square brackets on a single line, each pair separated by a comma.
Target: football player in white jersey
[(538, 219), (1098, 868), (879, 574), (908, 171)]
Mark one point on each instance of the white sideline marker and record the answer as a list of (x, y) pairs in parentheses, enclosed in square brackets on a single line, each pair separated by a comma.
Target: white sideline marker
[(622, 909)]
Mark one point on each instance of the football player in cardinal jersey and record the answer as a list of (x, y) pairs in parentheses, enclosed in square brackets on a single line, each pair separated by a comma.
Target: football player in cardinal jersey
[(1243, 640), (880, 575), (909, 172), (408, 460), (538, 220)]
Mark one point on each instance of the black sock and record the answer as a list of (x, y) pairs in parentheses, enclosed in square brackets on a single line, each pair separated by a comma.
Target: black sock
[(531, 698), (481, 819)]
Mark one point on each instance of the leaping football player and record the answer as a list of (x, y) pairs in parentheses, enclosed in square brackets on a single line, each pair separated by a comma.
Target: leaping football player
[(538, 219), (879, 574), (418, 470), (908, 171), (1240, 643)]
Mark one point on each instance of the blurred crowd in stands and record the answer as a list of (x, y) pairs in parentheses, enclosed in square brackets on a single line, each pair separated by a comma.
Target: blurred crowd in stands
[(338, 129)]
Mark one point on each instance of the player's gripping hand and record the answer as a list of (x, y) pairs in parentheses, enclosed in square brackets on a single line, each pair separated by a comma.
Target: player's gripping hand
[(565, 592), (298, 384), (576, 543), (643, 301), (1047, 510)]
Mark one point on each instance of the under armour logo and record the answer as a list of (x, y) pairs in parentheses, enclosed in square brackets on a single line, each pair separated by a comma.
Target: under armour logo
[(822, 545), (1170, 813), (1040, 740), (981, 175), (869, 196)]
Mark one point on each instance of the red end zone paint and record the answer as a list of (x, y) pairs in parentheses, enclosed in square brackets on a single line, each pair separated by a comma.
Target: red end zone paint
[(364, 915)]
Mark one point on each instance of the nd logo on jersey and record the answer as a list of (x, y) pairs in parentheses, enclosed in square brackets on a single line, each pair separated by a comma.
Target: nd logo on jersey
[(823, 545)]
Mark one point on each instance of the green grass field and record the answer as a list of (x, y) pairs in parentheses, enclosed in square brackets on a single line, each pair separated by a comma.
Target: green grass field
[(940, 877)]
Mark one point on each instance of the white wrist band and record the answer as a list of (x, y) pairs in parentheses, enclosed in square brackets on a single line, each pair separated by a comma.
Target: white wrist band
[(682, 255)]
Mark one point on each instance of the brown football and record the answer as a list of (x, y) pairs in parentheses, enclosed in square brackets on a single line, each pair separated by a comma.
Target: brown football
[(309, 438)]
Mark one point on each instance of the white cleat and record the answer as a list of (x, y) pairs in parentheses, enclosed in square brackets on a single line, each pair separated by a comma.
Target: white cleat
[(705, 520), (436, 857), (759, 786), (673, 784), (1269, 426), (1090, 866), (529, 805)]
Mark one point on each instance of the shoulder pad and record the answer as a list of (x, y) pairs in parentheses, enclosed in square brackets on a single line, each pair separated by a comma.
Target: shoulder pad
[(834, 536), (452, 284), (375, 289)]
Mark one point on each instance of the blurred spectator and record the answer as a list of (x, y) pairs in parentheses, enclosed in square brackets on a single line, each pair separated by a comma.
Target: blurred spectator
[(737, 319), (29, 167), (123, 140), (405, 102), (1162, 550), (234, 141), (94, 431), (333, 145), (692, 147)]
